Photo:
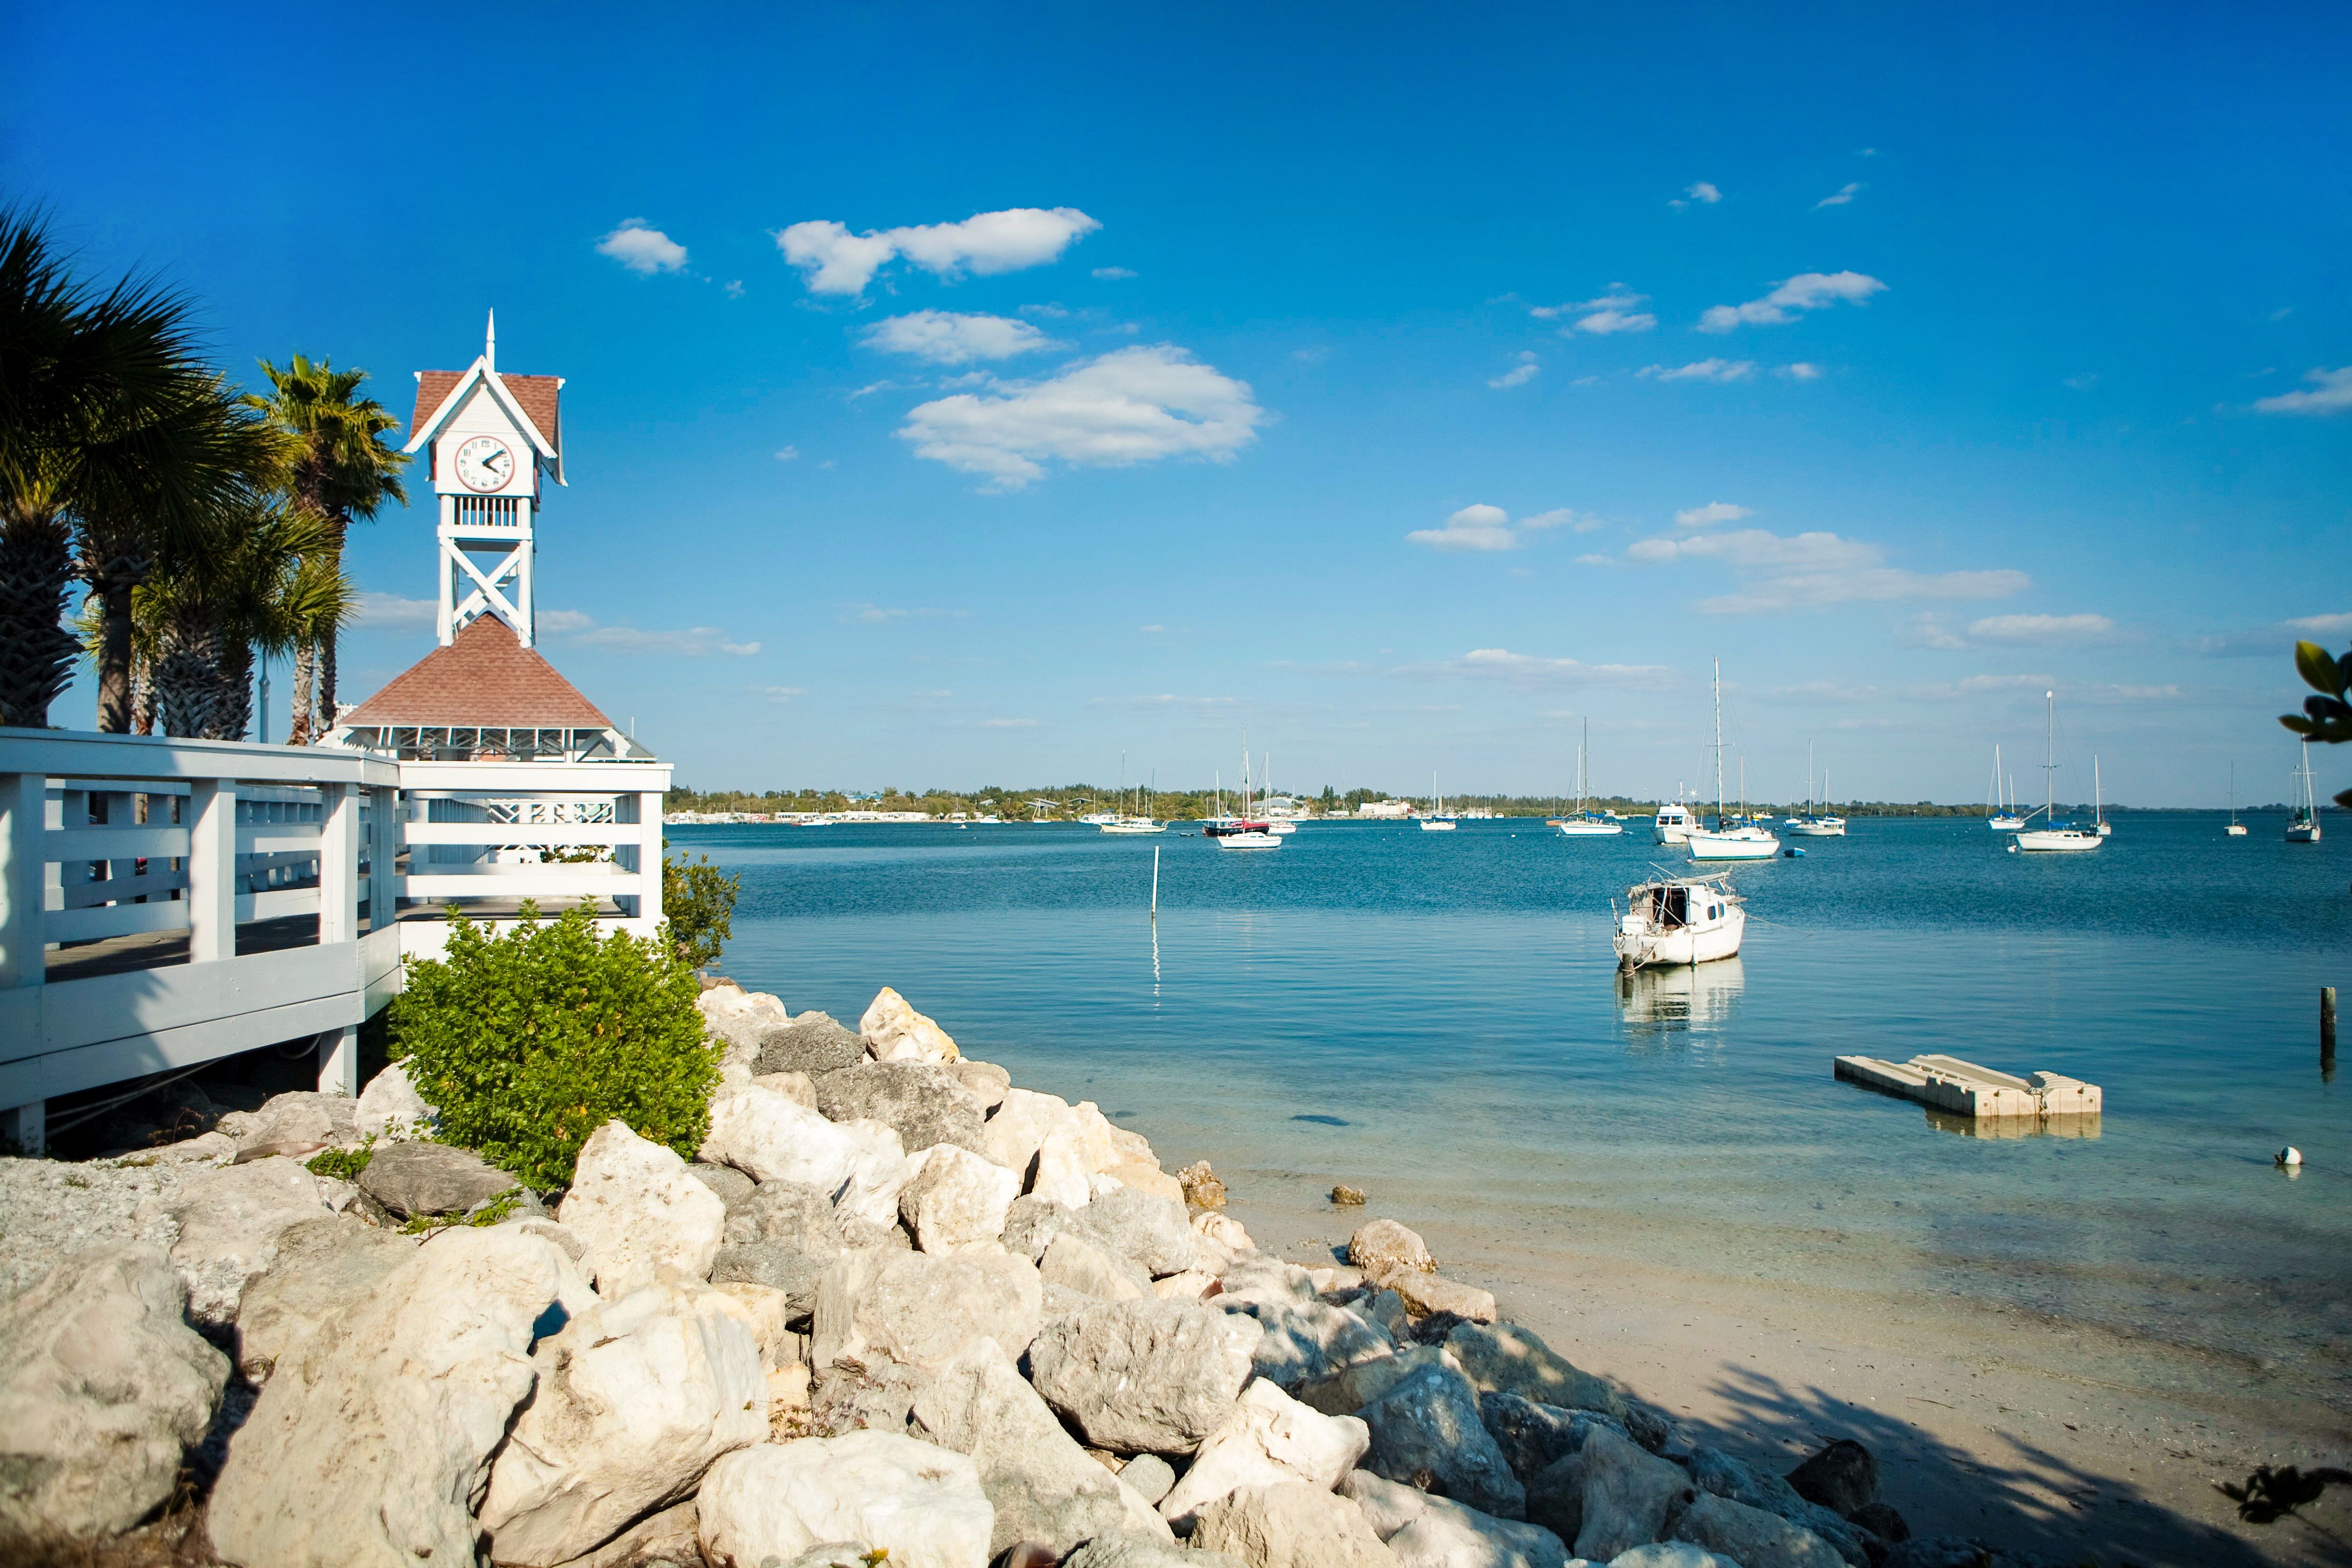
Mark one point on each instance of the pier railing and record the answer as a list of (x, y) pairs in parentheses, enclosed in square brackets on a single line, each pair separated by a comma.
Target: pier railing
[(166, 903)]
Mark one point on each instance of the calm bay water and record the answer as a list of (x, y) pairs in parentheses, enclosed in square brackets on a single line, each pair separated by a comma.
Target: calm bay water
[(1441, 1013)]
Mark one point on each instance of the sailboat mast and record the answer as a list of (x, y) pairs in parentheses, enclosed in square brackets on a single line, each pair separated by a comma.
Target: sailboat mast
[(1718, 742), (2050, 763)]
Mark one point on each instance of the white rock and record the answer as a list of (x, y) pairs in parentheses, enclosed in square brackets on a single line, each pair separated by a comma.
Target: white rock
[(323, 1267), (633, 1401), (769, 1137), (1098, 1151), (956, 1199), (390, 1108), (766, 1314), (230, 1220), (1292, 1525), (987, 1082), (878, 1174), (1427, 1531), (772, 1503), (634, 1204), (1192, 1284), (922, 1310), (1269, 1438), (1060, 1172), (102, 1388), (1077, 1263), (1020, 1127), (895, 1032), (1223, 1230), (369, 1444)]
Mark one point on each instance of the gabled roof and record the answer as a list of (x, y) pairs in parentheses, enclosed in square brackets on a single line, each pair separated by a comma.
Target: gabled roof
[(531, 400), (485, 677)]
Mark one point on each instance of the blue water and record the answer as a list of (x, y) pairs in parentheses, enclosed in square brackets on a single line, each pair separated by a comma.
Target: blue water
[(1439, 1016)]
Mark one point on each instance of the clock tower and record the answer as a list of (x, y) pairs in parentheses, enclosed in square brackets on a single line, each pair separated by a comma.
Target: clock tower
[(490, 439)]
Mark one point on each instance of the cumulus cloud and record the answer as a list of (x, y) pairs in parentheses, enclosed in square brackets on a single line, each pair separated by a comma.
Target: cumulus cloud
[(2270, 641), (1519, 374), (837, 261), (1802, 371), (693, 642), (1839, 199), (1112, 274), (1611, 312), (1701, 370), (943, 337), (641, 248), (1710, 514), (1483, 527), (788, 453), (1534, 670), (781, 693), (2041, 628), (1805, 291), (388, 612), (1704, 193), (1130, 406), (2330, 393), (1784, 572)]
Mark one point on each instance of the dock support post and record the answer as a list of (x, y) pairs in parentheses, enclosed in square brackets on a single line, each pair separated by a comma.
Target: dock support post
[(2328, 1033), (25, 1127), (339, 1060)]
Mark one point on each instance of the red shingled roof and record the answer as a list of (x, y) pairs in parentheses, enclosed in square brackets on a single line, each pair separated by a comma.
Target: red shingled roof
[(485, 677), (535, 394)]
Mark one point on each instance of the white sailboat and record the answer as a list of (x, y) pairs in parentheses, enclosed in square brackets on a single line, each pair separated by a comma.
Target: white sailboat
[(1436, 821), (1814, 824), (1121, 822), (1725, 842), (1242, 832), (2236, 829), (1678, 920), (1586, 824), (2303, 828), (2005, 818), (2100, 825), (2054, 835)]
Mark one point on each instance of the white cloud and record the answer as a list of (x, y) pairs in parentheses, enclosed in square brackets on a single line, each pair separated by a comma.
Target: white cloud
[(390, 613), (781, 693), (642, 249), (2331, 392), (1130, 406), (1928, 630), (1802, 370), (1152, 628), (693, 642), (1704, 190), (1805, 291), (788, 453), (1701, 370), (1710, 514), (1113, 273), (2272, 641), (734, 289), (839, 262), (881, 614), (1482, 528), (1782, 571), (1611, 312), (943, 337), (1533, 670), (1008, 723), (1839, 199), (2041, 628), (1519, 374)]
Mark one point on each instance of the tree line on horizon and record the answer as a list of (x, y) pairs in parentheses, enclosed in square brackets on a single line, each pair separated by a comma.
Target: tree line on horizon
[(204, 524)]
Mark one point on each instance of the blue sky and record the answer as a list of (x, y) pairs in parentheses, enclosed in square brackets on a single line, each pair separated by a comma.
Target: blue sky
[(1406, 389)]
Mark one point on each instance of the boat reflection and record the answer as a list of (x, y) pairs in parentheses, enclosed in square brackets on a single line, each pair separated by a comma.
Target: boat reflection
[(1684, 999), (2013, 1126)]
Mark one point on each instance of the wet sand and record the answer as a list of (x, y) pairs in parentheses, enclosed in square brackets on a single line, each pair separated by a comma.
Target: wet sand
[(2064, 1440)]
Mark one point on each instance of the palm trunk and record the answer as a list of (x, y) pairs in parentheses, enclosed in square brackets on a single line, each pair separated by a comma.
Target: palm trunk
[(36, 653), (327, 684), (233, 691), (143, 696), (306, 663)]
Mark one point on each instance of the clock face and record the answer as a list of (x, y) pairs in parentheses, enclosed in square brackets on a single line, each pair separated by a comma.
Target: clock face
[(484, 463)]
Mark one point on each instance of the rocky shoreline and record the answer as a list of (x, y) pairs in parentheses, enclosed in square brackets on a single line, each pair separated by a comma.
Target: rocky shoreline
[(896, 1306)]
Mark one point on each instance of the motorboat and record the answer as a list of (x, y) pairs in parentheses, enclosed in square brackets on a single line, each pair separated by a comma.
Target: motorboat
[(1673, 824), (1586, 823), (2054, 835), (2303, 827), (1678, 920), (1731, 839)]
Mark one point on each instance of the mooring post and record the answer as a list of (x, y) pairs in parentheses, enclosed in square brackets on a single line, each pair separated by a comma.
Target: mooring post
[(2327, 1032)]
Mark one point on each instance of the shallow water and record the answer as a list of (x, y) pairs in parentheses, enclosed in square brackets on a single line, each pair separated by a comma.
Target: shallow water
[(1441, 1015)]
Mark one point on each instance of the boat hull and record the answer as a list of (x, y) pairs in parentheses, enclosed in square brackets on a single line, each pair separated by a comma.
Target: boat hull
[(2004, 823), (2304, 833), (1816, 829), (2057, 840), (1437, 827), (1733, 847), (1590, 829), (1705, 943), (1248, 841), (2235, 830)]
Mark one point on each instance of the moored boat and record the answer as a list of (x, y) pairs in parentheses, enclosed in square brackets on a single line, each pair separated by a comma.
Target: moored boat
[(1678, 920), (1673, 824), (2303, 828), (2054, 835)]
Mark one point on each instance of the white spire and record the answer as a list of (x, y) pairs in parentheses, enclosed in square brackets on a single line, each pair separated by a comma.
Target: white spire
[(490, 344)]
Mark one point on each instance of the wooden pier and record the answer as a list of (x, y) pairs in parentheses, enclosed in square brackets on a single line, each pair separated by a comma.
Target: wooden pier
[(1964, 1089)]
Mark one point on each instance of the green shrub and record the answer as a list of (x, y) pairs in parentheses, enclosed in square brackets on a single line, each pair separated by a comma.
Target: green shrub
[(698, 901), (342, 1164), (528, 1042)]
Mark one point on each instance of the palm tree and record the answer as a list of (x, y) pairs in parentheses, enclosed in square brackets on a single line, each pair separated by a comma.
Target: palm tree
[(344, 470), (110, 439)]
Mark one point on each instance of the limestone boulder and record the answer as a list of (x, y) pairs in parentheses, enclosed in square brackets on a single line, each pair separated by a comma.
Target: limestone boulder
[(1098, 1145), (1751, 1537), (769, 1138), (1041, 1484), (633, 1402), (733, 1187), (1146, 1376), (895, 1032), (767, 1315), (389, 1109), (1351, 1388), (1503, 1358), (639, 1211), (738, 1018), (323, 1267), (370, 1443), (1311, 1343), (412, 1179), (230, 1220), (774, 1502), (1683, 1554), (1150, 1476), (923, 1103), (921, 1309), (812, 1043), (1382, 1247), (1427, 1531), (1143, 1552), (878, 1172), (103, 1387), (1292, 1525), (1059, 1172), (1607, 1497), (1147, 1227), (1266, 1281), (956, 1198), (985, 1081), (1426, 1434), (1076, 1262), (1426, 1293), (1270, 1439), (1149, 1179), (1031, 1224), (857, 1397), (1020, 1126), (1192, 1285), (1733, 1479), (303, 1116)]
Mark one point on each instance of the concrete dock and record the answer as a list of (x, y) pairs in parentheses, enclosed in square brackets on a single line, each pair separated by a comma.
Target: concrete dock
[(1964, 1089)]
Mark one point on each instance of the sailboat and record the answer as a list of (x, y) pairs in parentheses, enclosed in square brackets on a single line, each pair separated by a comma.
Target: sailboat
[(1726, 842), (1436, 821), (1242, 832), (2054, 834), (2304, 827), (1586, 824), (2236, 829), (1813, 824), (2005, 818), (2100, 825), (1123, 823)]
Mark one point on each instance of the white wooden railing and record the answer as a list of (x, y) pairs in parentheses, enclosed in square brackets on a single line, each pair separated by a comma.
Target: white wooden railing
[(110, 844)]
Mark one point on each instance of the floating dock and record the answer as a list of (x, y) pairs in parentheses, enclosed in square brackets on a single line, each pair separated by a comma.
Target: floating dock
[(1964, 1089)]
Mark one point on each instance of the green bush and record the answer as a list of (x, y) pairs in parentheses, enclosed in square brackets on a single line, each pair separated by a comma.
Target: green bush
[(527, 1043), (342, 1164), (698, 901)]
